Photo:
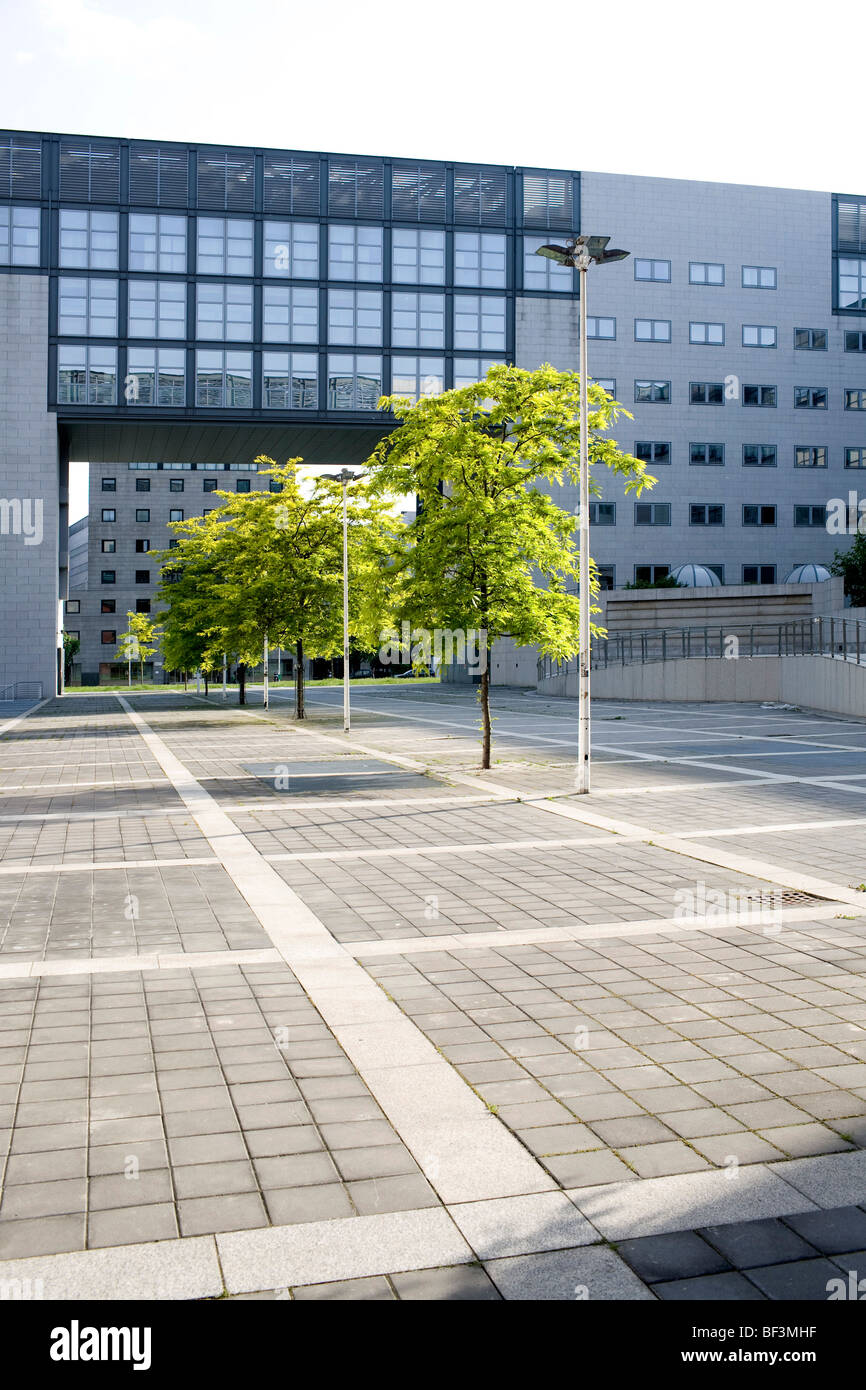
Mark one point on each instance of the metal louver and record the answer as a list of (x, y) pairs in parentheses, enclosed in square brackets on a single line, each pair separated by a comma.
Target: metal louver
[(480, 197), (851, 224), (291, 185), (20, 168), (547, 200), (89, 172), (157, 176), (226, 182), (418, 193), (355, 188)]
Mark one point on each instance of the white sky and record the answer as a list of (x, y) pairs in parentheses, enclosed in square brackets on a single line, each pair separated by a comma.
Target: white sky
[(743, 92)]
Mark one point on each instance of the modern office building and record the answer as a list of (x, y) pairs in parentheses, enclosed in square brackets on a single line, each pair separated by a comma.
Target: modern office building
[(175, 304)]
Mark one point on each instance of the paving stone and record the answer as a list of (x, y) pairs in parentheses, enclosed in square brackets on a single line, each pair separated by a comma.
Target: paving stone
[(742, 1146), (403, 1192), (41, 1235), (128, 1225), (522, 1225), (376, 1289), (594, 1273), (199, 1215), (214, 1179), (728, 1287), (831, 1232), (465, 1283), (656, 1160), (638, 1129), (678, 1255), (747, 1243), (802, 1280), (323, 1202), (587, 1169)]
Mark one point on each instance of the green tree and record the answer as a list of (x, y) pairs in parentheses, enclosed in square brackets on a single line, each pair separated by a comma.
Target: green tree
[(489, 548), (140, 641), (851, 565), (71, 647), (269, 565)]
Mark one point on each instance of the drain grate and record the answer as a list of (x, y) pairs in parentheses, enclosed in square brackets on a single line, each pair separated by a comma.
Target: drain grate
[(782, 897)]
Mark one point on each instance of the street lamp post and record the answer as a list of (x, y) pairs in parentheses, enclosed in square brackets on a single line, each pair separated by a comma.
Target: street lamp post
[(580, 252), (345, 476)]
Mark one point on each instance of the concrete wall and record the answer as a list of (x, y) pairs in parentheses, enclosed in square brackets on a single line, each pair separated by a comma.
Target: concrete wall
[(815, 682), (30, 482), (732, 603)]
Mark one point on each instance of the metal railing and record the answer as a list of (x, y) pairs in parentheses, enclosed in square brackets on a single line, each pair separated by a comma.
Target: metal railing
[(21, 690), (842, 639)]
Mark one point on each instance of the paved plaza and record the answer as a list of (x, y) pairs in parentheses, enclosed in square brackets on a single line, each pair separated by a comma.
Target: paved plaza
[(286, 1013)]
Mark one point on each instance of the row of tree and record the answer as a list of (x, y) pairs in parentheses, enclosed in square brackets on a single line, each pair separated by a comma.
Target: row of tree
[(489, 550)]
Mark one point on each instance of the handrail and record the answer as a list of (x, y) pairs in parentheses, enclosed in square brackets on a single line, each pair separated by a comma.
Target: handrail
[(837, 638), (21, 690)]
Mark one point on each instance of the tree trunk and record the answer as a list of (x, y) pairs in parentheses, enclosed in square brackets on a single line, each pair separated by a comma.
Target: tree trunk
[(184, 682), (205, 674), (484, 701), (242, 683), (299, 680)]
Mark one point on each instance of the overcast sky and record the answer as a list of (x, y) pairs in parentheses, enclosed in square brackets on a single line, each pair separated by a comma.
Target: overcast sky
[(757, 92)]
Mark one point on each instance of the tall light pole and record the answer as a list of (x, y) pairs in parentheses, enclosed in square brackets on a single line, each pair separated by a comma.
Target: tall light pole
[(580, 252), (345, 476)]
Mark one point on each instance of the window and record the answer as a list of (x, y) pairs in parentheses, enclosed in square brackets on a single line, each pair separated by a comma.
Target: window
[(479, 322), (759, 395), (354, 383), (652, 330), (290, 381), (142, 605), (88, 240), (759, 456), (652, 392), (175, 514), (87, 307), (417, 257), (708, 334), (855, 400), (108, 605), (759, 574), (417, 377), (224, 246), (86, 375), (852, 284), (355, 317), (706, 514), (607, 383), (142, 513), (469, 370), (224, 379), (539, 273), (706, 393), (142, 485), (19, 236), (108, 637), (653, 450), (810, 456), (602, 513), (72, 633), (810, 339), (810, 397), (652, 513), (73, 605), (157, 243), (157, 309), (109, 514), (759, 277), (354, 253), (759, 335), (755, 514), (650, 574), (706, 273), (242, 485), (600, 328), (547, 200), (142, 545), (210, 484), (274, 486), (109, 577), (155, 376), (142, 576), (291, 314), (225, 312), (291, 250), (706, 455), (606, 577), (855, 342), (652, 270), (109, 485), (175, 484), (855, 458), (810, 516), (479, 259), (417, 320)]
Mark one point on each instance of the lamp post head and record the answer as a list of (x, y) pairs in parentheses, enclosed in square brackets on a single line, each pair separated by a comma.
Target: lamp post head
[(582, 248), (344, 476)]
